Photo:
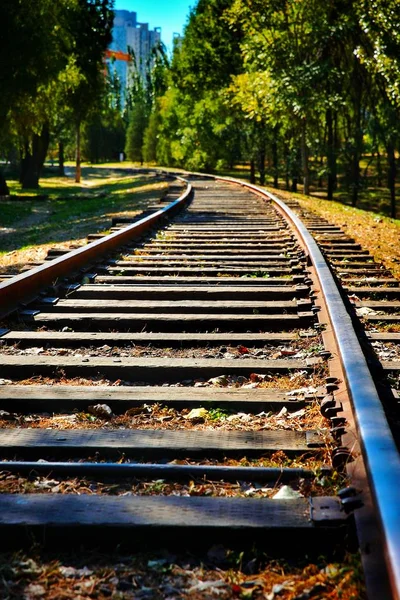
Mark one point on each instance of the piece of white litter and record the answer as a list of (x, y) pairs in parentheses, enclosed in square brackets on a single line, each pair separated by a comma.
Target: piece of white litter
[(287, 493), (298, 413), (244, 417), (363, 311), (303, 390), (206, 585)]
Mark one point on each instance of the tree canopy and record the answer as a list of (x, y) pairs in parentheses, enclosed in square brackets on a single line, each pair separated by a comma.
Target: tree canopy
[(299, 90), (304, 86), (51, 63)]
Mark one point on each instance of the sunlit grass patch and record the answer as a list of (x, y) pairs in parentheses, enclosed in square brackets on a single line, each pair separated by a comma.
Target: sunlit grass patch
[(70, 212), (378, 234)]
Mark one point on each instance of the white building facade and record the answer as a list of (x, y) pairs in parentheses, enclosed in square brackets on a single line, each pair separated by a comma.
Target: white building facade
[(129, 34)]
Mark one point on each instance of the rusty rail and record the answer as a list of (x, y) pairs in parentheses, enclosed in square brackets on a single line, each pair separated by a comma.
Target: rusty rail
[(26, 286)]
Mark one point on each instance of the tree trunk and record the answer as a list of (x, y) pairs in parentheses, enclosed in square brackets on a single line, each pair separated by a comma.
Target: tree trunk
[(392, 178), (275, 158), (379, 168), (78, 153), (355, 162), (355, 169), (30, 179), (287, 168), (295, 170), (357, 136), (61, 170), (304, 159), (331, 154), (33, 160), (321, 178), (252, 171), (4, 190), (25, 153), (335, 146), (41, 148), (261, 165)]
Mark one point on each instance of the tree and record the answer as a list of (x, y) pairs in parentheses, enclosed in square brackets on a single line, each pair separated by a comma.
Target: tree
[(198, 130), (31, 54), (150, 136), (253, 94), (380, 54), (286, 40), (53, 50), (138, 121), (103, 136), (90, 25), (155, 87), (104, 130)]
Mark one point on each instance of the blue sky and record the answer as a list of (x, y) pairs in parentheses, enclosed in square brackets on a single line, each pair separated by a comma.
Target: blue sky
[(170, 15)]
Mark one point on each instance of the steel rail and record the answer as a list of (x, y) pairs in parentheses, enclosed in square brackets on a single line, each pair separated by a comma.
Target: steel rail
[(24, 287), (379, 451)]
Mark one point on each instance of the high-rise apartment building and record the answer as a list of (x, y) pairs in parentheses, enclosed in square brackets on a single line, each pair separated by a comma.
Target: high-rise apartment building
[(129, 34)]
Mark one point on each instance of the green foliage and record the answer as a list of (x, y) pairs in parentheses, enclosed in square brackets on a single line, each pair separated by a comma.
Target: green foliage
[(197, 130), (138, 120), (217, 414), (104, 130), (143, 107), (380, 20), (295, 84), (52, 74), (150, 137), (103, 136), (31, 53), (210, 51)]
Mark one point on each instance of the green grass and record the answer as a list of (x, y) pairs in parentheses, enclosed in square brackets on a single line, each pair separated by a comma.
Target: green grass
[(372, 197), (217, 414), (12, 212), (71, 211)]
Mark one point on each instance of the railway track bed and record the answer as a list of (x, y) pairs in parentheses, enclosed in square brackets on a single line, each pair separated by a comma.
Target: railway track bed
[(190, 387)]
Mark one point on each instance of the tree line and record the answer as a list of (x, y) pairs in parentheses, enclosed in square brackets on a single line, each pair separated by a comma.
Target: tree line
[(51, 78), (308, 87), (308, 90)]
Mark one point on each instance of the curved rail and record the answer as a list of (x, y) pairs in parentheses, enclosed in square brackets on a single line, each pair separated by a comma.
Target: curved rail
[(25, 286), (378, 447)]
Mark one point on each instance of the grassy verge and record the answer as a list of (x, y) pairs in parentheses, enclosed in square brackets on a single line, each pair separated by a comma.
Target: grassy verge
[(68, 212), (380, 235), (367, 225), (71, 211)]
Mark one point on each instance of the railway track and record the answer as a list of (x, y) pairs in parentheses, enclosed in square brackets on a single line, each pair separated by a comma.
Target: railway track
[(205, 363)]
